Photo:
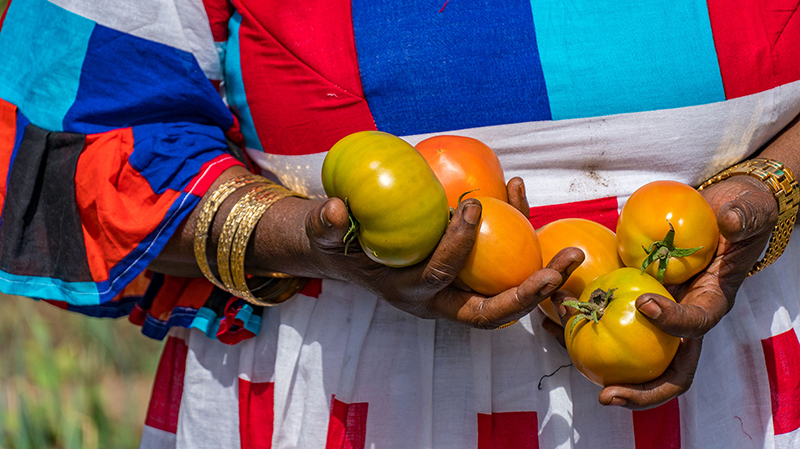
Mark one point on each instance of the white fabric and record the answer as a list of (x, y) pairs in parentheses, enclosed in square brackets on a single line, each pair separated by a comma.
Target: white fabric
[(182, 24)]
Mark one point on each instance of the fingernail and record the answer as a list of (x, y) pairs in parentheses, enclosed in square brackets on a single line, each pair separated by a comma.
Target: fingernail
[(650, 309), (472, 213), (619, 402), (547, 289), (323, 216), (521, 189), (561, 310)]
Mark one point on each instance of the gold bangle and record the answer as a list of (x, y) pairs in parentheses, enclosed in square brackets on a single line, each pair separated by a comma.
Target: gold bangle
[(235, 217), (206, 216), (278, 287), (784, 188)]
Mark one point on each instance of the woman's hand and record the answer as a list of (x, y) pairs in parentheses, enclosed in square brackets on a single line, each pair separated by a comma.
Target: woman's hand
[(746, 214), (430, 289)]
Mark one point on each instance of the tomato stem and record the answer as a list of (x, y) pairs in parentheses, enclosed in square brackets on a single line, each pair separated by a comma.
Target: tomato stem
[(352, 231), (592, 309), (465, 194), (663, 250)]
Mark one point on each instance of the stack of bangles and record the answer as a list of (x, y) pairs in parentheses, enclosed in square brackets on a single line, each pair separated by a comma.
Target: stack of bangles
[(236, 232)]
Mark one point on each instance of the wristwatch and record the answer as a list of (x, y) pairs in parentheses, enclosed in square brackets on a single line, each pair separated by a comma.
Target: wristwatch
[(786, 191)]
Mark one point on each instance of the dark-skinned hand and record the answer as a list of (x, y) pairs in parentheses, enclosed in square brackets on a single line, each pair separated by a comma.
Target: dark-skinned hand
[(430, 289), (746, 215)]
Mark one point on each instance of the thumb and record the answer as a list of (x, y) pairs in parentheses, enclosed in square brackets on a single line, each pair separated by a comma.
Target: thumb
[(748, 215), (327, 224)]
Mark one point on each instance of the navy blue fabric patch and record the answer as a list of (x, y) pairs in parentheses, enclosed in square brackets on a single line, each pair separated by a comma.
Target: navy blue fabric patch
[(127, 80), (425, 68)]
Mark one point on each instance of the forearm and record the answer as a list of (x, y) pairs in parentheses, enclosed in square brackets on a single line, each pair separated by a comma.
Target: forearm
[(278, 243), (785, 147)]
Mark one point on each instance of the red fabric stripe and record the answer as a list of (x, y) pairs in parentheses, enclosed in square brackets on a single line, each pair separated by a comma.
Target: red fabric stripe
[(60, 304), (510, 430), (313, 288), (256, 414), (8, 134), (165, 402), (319, 98), (218, 12), (756, 43), (3, 17), (602, 210), (208, 173), (658, 428), (782, 356), (347, 428)]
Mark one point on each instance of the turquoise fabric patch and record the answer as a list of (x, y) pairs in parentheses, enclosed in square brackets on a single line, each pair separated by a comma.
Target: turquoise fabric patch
[(602, 57), (204, 321), (234, 85), (251, 322), (43, 48), (74, 293)]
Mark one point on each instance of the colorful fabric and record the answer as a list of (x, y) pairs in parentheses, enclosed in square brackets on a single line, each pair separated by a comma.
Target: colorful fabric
[(585, 101)]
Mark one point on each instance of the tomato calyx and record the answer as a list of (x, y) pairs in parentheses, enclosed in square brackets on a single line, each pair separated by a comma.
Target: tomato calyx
[(352, 231), (663, 250), (592, 309)]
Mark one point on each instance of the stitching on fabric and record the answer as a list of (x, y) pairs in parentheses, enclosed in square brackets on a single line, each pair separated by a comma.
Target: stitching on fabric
[(791, 16), (300, 60)]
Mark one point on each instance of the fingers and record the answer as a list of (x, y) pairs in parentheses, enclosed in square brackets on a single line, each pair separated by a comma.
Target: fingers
[(675, 381), (751, 214), (454, 248), (516, 303), (686, 320), (517, 196), (327, 224)]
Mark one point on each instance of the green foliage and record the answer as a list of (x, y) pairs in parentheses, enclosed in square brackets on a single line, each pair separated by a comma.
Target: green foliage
[(70, 381)]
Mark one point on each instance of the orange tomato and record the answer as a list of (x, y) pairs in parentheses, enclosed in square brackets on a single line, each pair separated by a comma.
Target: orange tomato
[(464, 164), (646, 219), (506, 251), (598, 243)]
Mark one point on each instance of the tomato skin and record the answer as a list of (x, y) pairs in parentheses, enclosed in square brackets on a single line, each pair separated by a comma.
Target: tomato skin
[(393, 194), (623, 347), (506, 251), (598, 243), (464, 164), (645, 219)]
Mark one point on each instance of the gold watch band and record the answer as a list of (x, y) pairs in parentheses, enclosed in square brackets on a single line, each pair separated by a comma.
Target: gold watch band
[(784, 188)]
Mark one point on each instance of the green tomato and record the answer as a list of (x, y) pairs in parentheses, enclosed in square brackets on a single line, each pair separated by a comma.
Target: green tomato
[(394, 196)]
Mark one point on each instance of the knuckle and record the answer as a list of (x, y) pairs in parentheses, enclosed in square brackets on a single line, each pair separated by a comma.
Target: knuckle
[(437, 275)]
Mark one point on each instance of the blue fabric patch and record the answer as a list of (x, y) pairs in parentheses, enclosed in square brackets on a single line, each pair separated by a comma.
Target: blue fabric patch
[(137, 260), (425, 68), (127, 80), (234, 84), (42, 48), (110, 309), (204, 321), (158, 329), (251, 322), (602, 58), (170, 155)]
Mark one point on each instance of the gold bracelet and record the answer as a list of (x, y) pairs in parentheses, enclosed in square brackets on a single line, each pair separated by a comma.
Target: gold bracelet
[(235, 217), (784, 188), (206, 217), (278, 287)]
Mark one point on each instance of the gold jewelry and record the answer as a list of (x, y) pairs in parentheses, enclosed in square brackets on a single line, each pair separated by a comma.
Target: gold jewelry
[(235, 236), (224, 246), (206, 216), (784, 188)]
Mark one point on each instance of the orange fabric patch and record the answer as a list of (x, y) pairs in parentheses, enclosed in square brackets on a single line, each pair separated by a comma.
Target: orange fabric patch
[(8, 133), (118, 209)]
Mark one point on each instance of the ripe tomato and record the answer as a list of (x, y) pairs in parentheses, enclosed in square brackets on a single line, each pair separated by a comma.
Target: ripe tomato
[(506, 251), (464, 164), (621, 346), (598, 243), (391, 192), (644, 226)]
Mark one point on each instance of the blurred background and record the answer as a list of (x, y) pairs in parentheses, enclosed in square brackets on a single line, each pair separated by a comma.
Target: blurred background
[(70, 381)]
